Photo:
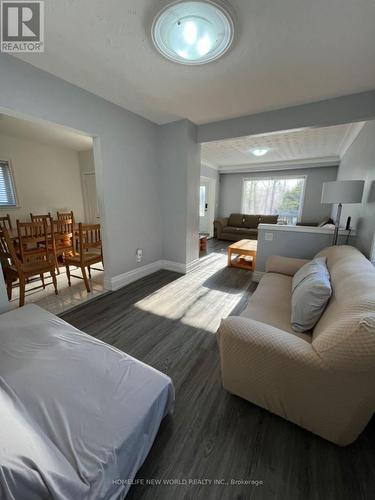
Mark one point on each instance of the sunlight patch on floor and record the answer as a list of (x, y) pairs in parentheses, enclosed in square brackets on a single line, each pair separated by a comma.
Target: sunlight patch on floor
[(201, 298)]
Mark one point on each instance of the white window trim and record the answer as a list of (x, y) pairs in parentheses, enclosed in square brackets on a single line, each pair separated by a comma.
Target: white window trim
[(271, 177), (11, 169)]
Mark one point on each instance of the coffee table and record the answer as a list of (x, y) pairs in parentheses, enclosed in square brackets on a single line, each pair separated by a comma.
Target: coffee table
[(245, 252)]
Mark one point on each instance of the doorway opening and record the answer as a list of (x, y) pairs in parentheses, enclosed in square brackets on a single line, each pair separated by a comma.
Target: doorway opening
[(207, 201), (47, 173)]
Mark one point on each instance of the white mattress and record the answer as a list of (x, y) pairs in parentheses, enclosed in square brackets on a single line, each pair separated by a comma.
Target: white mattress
[(77, 416)]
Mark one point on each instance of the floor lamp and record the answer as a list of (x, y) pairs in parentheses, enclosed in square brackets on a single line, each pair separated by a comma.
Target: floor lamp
[(341, 192)]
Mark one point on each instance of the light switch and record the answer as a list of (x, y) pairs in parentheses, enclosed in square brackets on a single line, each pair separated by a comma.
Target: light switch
[(268, 236)]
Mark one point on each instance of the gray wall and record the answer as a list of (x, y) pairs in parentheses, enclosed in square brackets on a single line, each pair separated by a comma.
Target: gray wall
[(359, 163), (193, 166), (179, 157), (297, 244), (128, 177), (231, 190), (137, 178)]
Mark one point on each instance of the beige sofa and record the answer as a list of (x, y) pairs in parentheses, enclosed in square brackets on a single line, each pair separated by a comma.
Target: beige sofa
[(323, 381), (241, 226)]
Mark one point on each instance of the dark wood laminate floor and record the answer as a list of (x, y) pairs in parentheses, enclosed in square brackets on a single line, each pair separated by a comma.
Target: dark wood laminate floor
[(168, 321)]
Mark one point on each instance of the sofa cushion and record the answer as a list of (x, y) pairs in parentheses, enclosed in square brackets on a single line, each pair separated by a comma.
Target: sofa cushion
[(268, 219), (271, 303), (311, 291), (236, 220), (251, 221), (316, 266), (243, 220), (242, 230)]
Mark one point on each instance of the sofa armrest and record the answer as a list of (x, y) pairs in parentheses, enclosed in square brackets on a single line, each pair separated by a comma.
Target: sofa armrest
[(219, 225), (244, 334), (264, 364), (283, 373), (284, 265)]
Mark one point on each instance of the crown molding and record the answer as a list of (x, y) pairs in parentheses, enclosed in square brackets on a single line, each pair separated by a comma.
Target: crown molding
[(350, 136), (209, 165), (327, 161)]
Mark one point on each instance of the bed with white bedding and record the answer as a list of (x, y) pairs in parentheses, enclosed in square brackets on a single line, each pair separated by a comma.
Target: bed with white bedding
[(77, 416)]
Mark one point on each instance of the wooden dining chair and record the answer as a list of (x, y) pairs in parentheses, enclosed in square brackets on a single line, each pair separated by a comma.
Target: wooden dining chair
[(41, 218), (32, 240), (63, 240), (5, 260), (65, 216), (90, 251), (22, 270), (6, 222)]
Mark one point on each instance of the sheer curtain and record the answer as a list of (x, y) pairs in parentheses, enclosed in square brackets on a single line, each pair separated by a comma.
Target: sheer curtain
[(271, 196)]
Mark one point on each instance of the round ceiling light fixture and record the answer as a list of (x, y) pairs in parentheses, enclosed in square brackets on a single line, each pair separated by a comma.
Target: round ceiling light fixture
[(260, 151), (193, 32)]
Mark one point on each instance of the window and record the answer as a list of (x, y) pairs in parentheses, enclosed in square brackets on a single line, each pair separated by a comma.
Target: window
[(7, 189), (202, 201), (271, 196)]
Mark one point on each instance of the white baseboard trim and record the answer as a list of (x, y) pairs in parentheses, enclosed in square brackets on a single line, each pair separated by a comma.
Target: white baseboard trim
[(124, 279), (135, 274), (257, 275), (178, 267), (170, 265)]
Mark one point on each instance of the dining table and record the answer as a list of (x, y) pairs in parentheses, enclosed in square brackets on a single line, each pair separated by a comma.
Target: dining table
[(13, 233)]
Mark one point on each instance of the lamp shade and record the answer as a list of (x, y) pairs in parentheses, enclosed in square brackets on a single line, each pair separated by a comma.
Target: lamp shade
[(342, 192)]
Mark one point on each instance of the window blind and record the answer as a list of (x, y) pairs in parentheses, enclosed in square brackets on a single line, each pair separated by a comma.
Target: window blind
[(7, 190)]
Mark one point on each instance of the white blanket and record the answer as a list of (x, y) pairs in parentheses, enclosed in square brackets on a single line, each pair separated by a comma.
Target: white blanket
[(77, 416)]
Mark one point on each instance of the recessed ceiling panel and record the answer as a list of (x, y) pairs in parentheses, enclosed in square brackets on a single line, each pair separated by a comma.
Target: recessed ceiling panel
[(284, 146)]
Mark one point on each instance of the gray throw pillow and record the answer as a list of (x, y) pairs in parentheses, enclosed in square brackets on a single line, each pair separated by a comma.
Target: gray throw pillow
[(311, 291)]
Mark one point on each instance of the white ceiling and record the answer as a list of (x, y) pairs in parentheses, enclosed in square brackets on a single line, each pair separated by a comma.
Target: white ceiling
[(44, 133), (287, 52), (287, 149)]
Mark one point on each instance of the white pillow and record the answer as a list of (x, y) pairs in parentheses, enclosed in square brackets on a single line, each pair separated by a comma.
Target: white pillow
[(311, 291)]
